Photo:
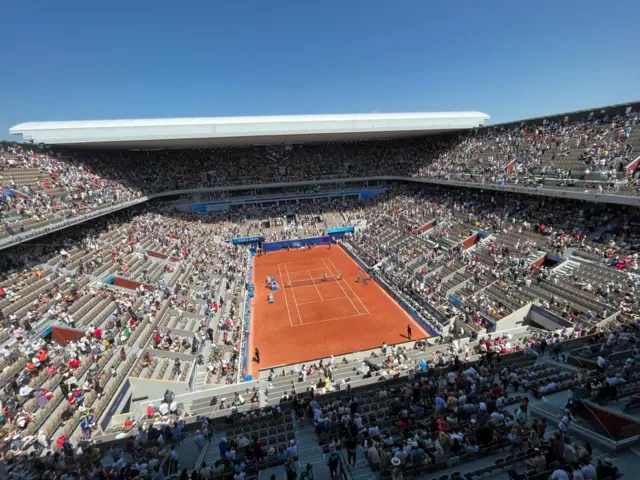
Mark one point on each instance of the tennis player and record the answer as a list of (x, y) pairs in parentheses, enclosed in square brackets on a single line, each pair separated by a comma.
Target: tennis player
[(325, 276)]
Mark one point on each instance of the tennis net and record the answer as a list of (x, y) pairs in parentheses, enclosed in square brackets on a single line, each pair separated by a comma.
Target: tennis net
[(313, 281)]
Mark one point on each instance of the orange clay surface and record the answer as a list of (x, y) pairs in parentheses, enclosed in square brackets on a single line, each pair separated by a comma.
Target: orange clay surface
[(307, 322)]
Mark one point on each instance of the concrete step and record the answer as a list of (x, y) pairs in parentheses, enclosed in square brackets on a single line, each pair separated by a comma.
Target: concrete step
[(566, 267), (201, 375)]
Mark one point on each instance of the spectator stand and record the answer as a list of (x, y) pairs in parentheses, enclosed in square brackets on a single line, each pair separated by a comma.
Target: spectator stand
[(603, 141)]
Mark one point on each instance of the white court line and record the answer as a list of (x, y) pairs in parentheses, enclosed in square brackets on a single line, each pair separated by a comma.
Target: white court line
[(350, 288), (301, 261), (292, 293), (325, 300), (345, 293), (330, 320), (286, 302), (308, 270), (314, 284)]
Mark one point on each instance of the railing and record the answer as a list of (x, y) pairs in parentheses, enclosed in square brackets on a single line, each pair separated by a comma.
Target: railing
[(246, 324), (47, 229), (397, 297), (344, 470)]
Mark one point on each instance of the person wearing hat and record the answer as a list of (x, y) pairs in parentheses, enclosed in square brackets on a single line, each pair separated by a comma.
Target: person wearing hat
[(538, 462), (128, 423), (606, 469), (271, 454)]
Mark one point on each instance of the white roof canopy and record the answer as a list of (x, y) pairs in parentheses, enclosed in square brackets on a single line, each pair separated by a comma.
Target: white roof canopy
[(200, 132)]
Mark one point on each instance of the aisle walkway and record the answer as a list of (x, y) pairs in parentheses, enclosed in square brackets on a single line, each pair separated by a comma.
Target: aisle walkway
[(308, 452)]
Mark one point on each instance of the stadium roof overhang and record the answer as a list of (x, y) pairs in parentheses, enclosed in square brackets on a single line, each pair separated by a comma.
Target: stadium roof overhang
[(220, 131)]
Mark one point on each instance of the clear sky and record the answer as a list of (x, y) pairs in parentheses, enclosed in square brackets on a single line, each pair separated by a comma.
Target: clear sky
[(77, 60)]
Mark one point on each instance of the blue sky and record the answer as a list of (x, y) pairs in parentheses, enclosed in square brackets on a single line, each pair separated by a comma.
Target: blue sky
[(75, 60)]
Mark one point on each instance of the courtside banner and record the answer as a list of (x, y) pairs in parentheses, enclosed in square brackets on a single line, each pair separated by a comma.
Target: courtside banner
[(299, 243), (340, 230), (236, 241)]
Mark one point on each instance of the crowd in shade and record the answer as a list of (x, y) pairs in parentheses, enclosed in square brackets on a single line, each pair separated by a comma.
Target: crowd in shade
[(43, 185), (451, 408)]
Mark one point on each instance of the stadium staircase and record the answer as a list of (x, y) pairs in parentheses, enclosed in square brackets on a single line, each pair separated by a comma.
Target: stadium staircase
[(535, 256), (566, 267), (309, 452)]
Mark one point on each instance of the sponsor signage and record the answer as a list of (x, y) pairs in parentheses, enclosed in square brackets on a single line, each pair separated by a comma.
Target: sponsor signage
[(237, 241), (295, 243), (340, 230)]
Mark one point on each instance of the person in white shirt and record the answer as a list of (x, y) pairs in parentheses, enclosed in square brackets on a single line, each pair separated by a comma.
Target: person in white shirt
[(163, 409), (565, 422), (358, 421), (42, 439), (346, 419), (616, 380), (230, 454), (471, 372), (559, 474), (25, 390), (496, 418), (548, 387), (602, 363), (292, 450), (589, 472)]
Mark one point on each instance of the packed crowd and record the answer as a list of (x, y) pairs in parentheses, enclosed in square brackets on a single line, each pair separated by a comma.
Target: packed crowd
[(51, 390), (441, 417), (51, 386), (41, 186), (433, 412), (498, 275)]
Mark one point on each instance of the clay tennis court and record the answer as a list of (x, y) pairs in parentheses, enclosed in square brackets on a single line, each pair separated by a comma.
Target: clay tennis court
[(312, 318)]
